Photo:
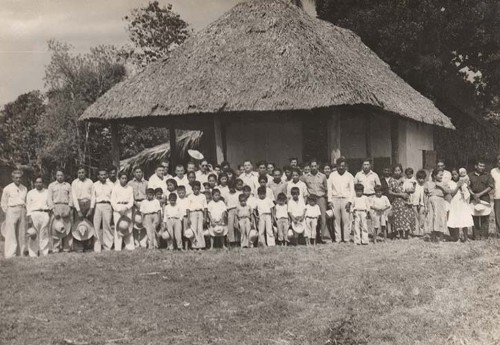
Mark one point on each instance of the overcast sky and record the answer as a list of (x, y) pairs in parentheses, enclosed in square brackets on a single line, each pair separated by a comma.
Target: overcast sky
[(27, 25)]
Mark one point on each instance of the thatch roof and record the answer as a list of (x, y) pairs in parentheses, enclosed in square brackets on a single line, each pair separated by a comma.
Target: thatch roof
[(265, 55), (149, 158)]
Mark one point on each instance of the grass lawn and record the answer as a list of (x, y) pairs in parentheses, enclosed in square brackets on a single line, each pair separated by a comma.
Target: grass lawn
[(403, 292)]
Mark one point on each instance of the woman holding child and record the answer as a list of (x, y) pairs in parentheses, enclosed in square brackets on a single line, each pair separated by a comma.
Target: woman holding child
[(402, 212), (436, 191), (460, 216)]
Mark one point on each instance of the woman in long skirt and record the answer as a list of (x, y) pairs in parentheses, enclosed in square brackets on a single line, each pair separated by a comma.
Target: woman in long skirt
[(460, 215), (402, 212), (436, 191)]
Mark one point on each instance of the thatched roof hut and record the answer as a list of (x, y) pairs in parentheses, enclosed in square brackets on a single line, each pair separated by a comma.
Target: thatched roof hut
[(264, 56)]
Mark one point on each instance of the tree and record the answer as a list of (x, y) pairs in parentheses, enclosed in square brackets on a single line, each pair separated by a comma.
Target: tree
[(155, 31), (18, 134)]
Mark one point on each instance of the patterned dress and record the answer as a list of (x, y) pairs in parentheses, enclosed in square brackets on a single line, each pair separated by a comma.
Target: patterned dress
[(404, 217)]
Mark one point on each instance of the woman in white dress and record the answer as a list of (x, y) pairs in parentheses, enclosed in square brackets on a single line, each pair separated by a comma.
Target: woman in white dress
[(460, 215)]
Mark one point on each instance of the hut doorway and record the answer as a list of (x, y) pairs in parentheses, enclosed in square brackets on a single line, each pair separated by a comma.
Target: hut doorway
[(315, 138)]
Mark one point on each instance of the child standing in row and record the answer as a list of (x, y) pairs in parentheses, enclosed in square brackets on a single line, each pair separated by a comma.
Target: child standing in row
[(197, 213), (312, 215), (380, 205), (232, 201), (172, 223), (360, 208), (419, 203), (282, 219), (244, 216), (151, 215), (265, 210), (296, 211), (217, 216), (183, 203)]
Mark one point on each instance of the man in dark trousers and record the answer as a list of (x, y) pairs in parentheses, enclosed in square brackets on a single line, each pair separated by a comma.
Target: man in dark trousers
[(481, 184)]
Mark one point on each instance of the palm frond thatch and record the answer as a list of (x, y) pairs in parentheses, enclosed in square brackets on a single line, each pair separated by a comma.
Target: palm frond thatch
[(265, 55), (149, 158)]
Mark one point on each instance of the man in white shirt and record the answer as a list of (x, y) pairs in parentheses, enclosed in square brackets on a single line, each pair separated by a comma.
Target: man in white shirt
[(38, 217), (446, 174), (13, 204), (495, 174), (181, 178), (81, 189), (250, 177), (100, 202), (369, 179), (60, 200), (340, 196), (159, 180), (122, 201), (202, 174)]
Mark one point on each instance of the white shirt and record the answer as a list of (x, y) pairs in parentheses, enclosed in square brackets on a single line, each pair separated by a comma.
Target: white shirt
[(361, 203), (81, 190), (233, 200), (101, 192), (281, 211), (183, 205), (252, 202), (172, 212), (340, 186), (13, 196), (300, 185), (122, 198), (197, 202), (296, 208), (264, 205), (446, 176), (184, 182), (313, 211), (150, 206), (251, 180), (417, 198), (202, 177), (216, 210), (369, 181), (36, 200), (495, 174), (224, 192), (380, 203), (155, 182)]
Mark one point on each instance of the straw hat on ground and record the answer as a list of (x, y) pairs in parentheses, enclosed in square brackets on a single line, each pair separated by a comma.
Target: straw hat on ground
[(481, 208)]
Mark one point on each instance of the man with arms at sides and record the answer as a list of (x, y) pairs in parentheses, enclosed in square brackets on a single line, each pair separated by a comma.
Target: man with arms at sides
[(38, 218), (317, 184)]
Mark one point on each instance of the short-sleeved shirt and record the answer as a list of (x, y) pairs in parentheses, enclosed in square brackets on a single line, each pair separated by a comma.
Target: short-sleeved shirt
[(217, 209), (479, 183), (361, 203), (300, 185), (172, 212), (296, 208), (381, 203), (183, 205), (252, 202), (139, 188), (197, 202), (233, 200), (281, 211), (313, 211), (495, 174), (150, 206), (369, 181), (264, 205), (316, 184), (243, 211), (277, 188)]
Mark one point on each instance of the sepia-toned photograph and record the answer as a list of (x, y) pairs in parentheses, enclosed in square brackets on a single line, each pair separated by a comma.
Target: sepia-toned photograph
[(282, 172)]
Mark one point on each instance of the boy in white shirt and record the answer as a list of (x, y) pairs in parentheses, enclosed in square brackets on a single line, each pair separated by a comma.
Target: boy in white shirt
[(313, 212), (265, 210), (360, 209), (197, 214), (217, 215), (296, 183), (263, 183), (251, 200), (296, 209), (172, 216), (232, 202), (183, 203), (419, 204), (282, 219), (380, 205), (151, 217), (244, 216)]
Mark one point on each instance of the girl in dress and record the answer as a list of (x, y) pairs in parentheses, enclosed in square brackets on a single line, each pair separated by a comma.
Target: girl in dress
[(436, 192), (460, 216)]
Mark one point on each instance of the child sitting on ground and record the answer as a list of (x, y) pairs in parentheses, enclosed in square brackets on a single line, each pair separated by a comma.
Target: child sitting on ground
[(265, 210), (282, 219), (244, 216), (217, 215), (380, 205), (359, 208), (313, 212)]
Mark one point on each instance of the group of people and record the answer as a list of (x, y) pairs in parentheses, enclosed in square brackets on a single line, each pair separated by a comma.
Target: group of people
[(202, 205)]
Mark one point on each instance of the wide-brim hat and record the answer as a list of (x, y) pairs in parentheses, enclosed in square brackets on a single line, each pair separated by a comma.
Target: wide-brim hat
[(138, 221), (481, 208), (298, 227), (165, 235), (60, 228), (218, 230), (122, 226), (83, 231), (329, 214), (253, 235), (290, 234), (196, 154), (189, 233), (31, 232)]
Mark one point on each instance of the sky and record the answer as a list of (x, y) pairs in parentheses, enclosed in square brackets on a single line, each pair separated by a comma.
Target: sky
[(27, 25)]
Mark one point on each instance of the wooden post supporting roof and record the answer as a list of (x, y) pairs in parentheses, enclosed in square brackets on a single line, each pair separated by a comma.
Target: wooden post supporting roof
[(115, 145), (219, 144), (333, 136), (394, 140), (173, 148)]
